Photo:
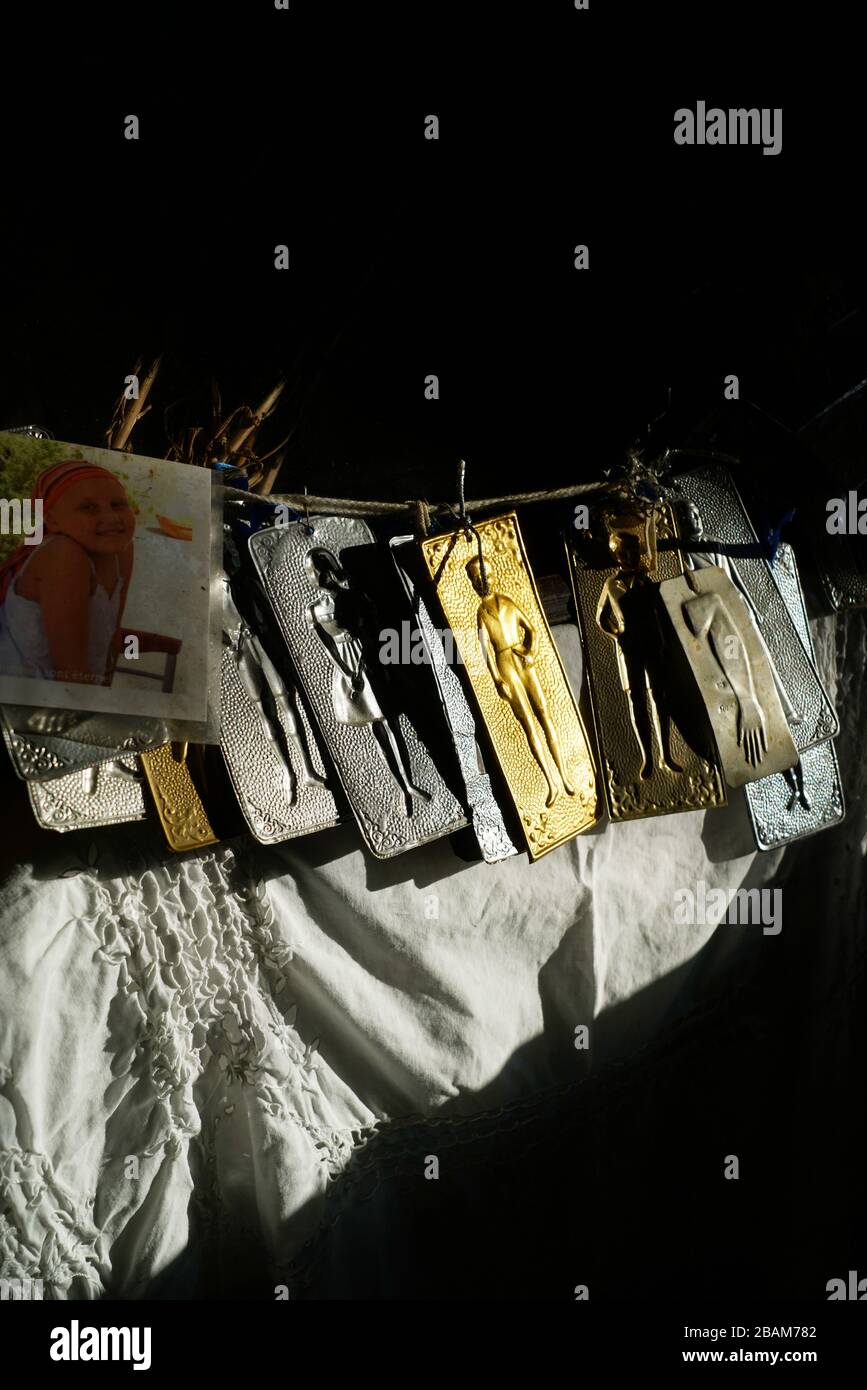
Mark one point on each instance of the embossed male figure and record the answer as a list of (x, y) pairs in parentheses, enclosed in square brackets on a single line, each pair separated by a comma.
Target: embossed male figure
[(626, 612), (510, 645)]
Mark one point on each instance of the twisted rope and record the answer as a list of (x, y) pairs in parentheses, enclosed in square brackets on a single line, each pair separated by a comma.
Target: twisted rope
[(423, 512)]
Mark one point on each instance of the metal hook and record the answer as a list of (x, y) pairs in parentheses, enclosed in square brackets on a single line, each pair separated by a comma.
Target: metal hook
[(486, 588), (462, 471), (468, 527), (311, 531)]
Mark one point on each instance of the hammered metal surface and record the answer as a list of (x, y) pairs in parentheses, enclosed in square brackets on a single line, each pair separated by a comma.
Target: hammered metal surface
[(387, 824), (840, 564), (777, 813), (725, 520), (489, 828), (48, 743), (256, 770), (182, 816), (510, 579), (698, 785), (724, 651), (69, 803)]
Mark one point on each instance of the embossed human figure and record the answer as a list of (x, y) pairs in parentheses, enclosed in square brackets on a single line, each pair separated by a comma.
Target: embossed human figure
[(258, 672), (510, 645), (626, 612), (338, 617), (713, 621), (693, 529)]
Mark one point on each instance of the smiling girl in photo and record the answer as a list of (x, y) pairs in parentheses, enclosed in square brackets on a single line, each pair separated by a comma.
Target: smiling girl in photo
[(61, 602)]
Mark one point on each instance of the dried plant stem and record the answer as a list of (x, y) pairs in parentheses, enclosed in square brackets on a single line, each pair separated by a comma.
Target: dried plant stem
[(247, 434), (127, 413)]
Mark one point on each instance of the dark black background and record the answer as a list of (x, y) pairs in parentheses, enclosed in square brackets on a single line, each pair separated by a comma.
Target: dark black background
[(456, 257), (409, 256)]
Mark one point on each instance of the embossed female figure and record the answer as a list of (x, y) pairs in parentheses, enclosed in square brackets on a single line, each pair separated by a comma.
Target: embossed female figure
[(700, 559), (693, 528), (258, 673), (338, 616)]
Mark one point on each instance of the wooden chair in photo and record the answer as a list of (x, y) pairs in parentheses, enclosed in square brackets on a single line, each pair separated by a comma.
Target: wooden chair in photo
[(150, 642)]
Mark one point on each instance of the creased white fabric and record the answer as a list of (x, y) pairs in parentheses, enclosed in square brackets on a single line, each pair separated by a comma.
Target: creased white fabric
[(199, 1042)]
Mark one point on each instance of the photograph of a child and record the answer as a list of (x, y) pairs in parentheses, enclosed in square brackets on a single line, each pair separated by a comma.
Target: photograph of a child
[(104, 590)]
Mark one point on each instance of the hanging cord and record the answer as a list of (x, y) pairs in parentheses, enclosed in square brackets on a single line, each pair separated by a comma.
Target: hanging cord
[(468, 527), (307, 527), (347, 506), (421, 517)]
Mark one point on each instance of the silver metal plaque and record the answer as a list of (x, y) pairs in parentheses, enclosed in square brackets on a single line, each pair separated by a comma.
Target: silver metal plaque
[(722, 519), (48, 743), (808, 798), (267, 742), (391, 782), (105, 794)]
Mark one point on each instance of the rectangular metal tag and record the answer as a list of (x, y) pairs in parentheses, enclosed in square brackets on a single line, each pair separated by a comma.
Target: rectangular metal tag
[(656, 747), (494, 840), (517, 678), (48, 743), (182, 814), (733, 672), (315, 581), (106, 794), (723, 534), (267, 741), (809, 797)]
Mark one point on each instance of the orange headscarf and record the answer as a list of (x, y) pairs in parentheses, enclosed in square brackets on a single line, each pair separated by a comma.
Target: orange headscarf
[(50, 485)]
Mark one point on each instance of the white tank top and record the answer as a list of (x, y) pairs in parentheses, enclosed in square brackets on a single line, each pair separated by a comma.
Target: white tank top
[(24, 649)]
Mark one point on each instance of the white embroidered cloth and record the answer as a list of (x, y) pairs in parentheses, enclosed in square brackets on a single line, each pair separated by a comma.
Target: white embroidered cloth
[(196, 1045)]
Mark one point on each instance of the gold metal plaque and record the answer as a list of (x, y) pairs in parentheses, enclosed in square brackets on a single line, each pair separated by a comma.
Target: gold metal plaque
[(182, 815), (656, 747), (516, 675)]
